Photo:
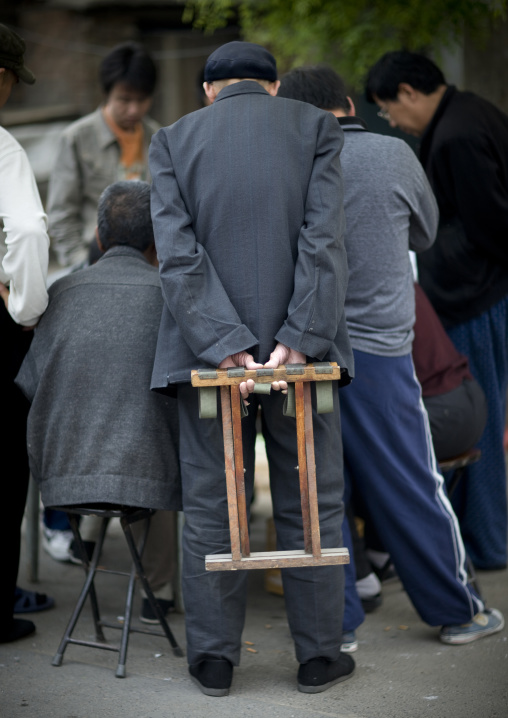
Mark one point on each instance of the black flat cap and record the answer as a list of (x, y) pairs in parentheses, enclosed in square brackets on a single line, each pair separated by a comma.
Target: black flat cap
[(241, 59), (12, 49)]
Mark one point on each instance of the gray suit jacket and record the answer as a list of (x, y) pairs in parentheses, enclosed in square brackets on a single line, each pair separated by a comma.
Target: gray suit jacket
[(248, 220)]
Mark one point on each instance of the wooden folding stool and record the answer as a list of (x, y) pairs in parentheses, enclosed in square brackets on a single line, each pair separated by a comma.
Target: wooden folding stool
[(298, 404)]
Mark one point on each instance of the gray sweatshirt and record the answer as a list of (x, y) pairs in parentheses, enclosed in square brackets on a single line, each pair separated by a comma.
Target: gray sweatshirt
[(390, 209)]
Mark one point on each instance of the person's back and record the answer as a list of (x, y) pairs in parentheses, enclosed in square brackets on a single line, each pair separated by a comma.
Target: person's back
[(248, 220), (388, 207), (388, 454), (95, 431), (251, 224)]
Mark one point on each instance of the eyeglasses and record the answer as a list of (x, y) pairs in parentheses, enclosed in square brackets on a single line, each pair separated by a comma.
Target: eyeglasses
[(384, 115)]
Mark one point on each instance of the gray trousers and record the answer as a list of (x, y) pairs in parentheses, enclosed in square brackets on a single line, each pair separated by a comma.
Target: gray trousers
[(215, 601)]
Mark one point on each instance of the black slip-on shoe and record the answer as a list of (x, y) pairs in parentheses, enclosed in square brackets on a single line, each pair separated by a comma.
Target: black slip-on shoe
[(74, 554), (212, 676), (319, 674), (16, 629), (149, 616), (370, 604)]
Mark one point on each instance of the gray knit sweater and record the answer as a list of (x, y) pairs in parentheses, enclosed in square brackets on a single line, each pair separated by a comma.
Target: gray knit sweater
[(95, 430), (390, 209)]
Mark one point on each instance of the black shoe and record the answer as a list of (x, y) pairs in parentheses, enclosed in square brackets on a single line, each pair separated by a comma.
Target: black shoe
[(74, 554), (370, 604), (212, 676), (19, 628), (319, 674), (147, 615)]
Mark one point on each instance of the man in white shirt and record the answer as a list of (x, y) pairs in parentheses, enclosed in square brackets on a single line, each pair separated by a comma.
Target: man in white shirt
[(24, 249)]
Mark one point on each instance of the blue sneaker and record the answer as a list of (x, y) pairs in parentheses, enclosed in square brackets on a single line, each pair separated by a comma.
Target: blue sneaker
[(349, 642), (483, 624)]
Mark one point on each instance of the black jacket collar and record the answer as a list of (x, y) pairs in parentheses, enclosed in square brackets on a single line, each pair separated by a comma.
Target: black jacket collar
[(451, 91), (351, 123)]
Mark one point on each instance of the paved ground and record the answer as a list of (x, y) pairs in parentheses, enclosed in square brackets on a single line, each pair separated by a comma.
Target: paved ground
[(403, 671)]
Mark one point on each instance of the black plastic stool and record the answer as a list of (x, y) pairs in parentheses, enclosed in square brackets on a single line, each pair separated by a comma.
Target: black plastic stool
[(457, 465), (127, 515)]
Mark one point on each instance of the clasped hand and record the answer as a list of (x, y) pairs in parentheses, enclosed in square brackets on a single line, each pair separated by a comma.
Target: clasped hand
[(280, 355)]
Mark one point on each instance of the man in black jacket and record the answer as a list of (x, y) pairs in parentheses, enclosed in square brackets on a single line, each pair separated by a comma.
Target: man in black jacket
[(464, 151)]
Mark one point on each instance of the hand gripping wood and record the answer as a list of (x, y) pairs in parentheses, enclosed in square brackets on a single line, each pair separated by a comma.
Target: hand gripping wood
[(299, 378)]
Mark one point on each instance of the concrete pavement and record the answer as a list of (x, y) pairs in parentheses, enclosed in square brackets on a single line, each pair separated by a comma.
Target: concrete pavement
[(403, 671)]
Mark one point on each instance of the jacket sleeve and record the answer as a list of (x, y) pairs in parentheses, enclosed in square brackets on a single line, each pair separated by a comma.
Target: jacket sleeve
[(424, 218), (321, 271), (470, 176), (25, 263), (191, 287), (65, 203)]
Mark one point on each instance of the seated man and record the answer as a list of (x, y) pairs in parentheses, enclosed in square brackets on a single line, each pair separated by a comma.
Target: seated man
[(96, 433), (388, 453), (454, 401)]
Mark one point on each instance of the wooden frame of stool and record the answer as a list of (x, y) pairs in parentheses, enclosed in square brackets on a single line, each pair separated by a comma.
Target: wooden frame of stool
[(228, 380)]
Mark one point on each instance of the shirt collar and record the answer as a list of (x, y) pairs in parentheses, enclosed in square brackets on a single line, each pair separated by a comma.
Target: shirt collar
[(244, 87), (123, 250), (105, 136), (352, 123)]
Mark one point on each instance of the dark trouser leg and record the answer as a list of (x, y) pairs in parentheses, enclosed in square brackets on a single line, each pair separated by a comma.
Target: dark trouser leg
[(480, 498), (314, 596), (15, 471), (214, 601), (388, 452)]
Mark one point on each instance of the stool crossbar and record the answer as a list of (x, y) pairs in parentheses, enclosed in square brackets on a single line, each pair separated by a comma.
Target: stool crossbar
[(127, 516), (299, 378)]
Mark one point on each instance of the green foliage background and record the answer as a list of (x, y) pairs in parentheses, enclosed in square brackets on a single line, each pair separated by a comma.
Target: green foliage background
[(350, 35)]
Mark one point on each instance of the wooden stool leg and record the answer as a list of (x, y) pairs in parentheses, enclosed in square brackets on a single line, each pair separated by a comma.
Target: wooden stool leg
[(239, 472), (311, 473), (229, 458), (302, 466), (307, 469)]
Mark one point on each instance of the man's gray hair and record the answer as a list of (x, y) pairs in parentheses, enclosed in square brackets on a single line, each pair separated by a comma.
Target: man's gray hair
[(123, 215)]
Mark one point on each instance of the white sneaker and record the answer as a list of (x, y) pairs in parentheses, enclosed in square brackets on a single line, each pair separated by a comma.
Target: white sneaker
[(483, 624), (349, 642), (57, 543)]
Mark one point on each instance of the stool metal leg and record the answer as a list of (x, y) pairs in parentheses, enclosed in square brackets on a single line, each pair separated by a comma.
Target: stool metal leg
[(146, 586), (127, 516), (88, 589), (87, 563), (124, 642)]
